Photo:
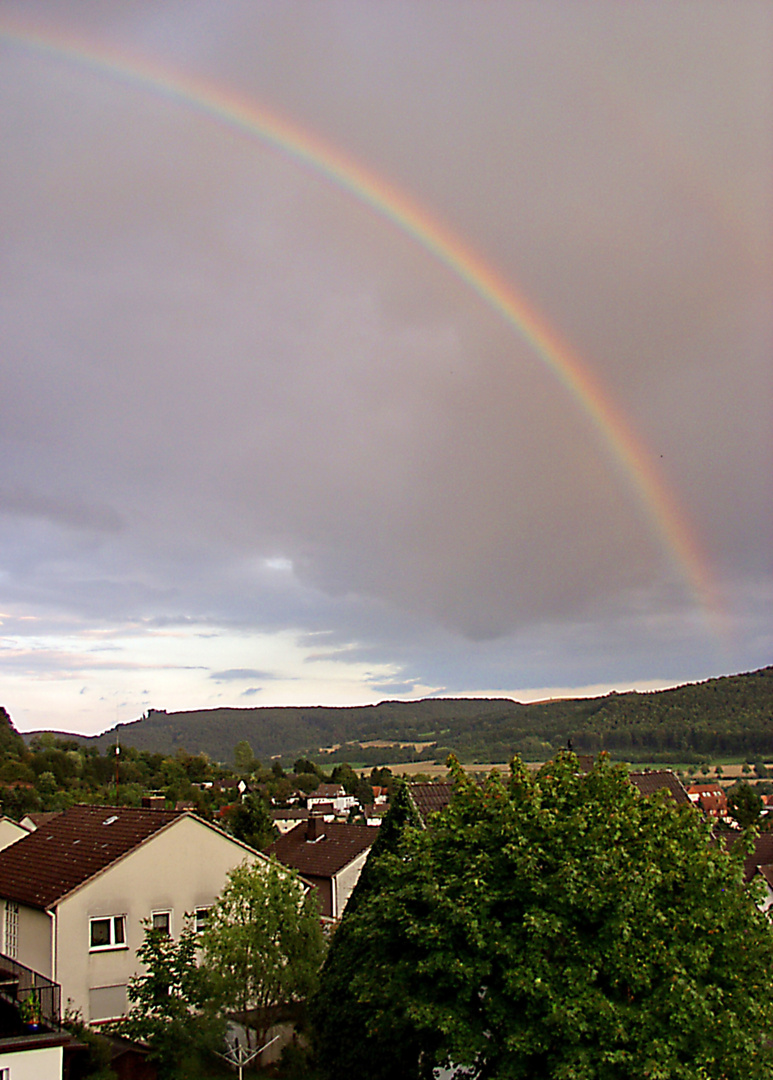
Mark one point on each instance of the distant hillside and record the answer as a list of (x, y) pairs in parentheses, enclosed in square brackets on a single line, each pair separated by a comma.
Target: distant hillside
[(732, 715)]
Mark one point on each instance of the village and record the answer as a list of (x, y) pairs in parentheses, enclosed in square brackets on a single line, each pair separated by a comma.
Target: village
[(81, 886)]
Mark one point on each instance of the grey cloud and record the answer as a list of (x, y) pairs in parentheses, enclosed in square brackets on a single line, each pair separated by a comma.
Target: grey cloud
[(248, 364), (73, 513)]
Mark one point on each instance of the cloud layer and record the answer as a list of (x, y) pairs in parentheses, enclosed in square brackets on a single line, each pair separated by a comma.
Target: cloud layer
[(248, 422)]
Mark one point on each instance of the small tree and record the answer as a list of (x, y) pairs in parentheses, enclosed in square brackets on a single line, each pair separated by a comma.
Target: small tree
[(244, 758), (263, 944), (171, 1006), (251, 821), (744, 804)]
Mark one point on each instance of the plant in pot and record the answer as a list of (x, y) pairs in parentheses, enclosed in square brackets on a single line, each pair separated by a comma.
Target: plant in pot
[(29, 1010)]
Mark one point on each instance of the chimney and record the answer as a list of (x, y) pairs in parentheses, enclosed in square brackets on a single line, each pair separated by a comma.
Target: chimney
[(314, 828)]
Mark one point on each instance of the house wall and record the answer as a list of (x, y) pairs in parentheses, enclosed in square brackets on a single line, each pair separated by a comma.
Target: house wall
[(9, 832), (345, 881), (178, 870), (44, 1064), (33, 938)]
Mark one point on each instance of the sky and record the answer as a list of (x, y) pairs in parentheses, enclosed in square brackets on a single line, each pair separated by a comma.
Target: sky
[(373, 349)]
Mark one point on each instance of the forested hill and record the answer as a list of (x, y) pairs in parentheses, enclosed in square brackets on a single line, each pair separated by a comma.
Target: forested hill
[(732, 715)]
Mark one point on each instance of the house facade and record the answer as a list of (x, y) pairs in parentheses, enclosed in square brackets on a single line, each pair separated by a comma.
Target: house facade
[(328, 855), (76, 894)]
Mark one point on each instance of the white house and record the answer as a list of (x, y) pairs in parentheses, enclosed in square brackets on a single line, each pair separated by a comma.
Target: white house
[(75, 894), (333, 794)]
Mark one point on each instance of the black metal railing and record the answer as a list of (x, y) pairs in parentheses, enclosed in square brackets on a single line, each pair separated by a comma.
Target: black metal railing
[(37, 997)]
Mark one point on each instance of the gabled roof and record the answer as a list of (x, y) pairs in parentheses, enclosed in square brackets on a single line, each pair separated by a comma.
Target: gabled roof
[(328, 791), (72, 847), (430, 798), (761, 856), (336, 846), (648, 783)]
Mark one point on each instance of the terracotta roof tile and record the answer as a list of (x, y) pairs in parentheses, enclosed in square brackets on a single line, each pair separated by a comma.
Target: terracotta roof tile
[(72, 847), (338, 846)]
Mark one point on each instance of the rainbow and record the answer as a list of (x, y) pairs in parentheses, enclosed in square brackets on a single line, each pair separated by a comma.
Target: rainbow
[(245, 115)]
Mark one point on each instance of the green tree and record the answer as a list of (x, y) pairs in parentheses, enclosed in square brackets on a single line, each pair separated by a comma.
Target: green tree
[(263, 945), (251, 821), (171, 1006), (556, 925), (346, 776), (244, 759), (744, 804)]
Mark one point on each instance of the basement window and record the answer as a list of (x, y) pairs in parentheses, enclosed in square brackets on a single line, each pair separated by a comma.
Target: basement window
[(107, 933)]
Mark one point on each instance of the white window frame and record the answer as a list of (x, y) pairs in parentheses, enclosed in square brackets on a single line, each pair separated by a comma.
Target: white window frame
[(201, 917), (162, 911), (117, 938), (11, 931)]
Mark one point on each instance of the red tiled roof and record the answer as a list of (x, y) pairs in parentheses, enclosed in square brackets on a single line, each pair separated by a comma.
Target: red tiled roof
[(705, 789), (339, 845), (72, 847)]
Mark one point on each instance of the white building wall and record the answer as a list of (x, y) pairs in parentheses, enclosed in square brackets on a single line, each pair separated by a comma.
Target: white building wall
[(344, 882), (178, 870), (45, 1064)]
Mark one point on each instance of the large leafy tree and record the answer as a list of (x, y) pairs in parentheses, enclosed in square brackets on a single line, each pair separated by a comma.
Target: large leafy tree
[(263, 946), (556, 926)]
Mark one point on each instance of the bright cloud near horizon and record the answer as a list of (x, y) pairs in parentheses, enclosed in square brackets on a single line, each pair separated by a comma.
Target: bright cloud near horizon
[(265, 441)]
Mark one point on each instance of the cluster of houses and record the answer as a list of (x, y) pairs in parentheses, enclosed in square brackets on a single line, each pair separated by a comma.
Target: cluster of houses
[(78, 887)]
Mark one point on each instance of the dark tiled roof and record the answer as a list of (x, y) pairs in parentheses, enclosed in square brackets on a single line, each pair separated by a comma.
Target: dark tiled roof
[(340, 844), (72, 847), (328, 791), (43, 817), (767, 873), (430, 798), (761, 856), (649, 783)]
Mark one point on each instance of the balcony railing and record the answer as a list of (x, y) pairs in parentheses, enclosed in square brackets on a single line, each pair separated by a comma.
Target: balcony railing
[(20, 984)]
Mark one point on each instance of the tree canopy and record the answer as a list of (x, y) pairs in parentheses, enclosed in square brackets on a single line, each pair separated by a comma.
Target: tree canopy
[(553, 925), (263, 943)]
